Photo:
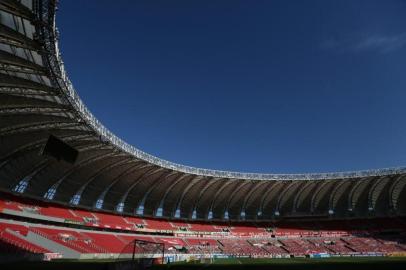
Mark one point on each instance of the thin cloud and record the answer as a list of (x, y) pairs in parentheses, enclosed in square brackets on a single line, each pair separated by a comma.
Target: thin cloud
[(377, 43)]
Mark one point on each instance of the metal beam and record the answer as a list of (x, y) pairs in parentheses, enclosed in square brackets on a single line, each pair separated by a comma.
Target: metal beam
[(26, 92), (337, 191), (12, 62), (395, 191), (83, 163), (152, 187), (47, 162), (285, 194), (17, 9), (298, 195), (179, 201), (376, 190), (14, 38), (356, 191), (231, 196), (136, 166), (322, 187), (252, 191), (45, 110), (98, 173), (20, 83), (148, 173), (34, 170), (265, 196), (36, 144), (46, 125), (226, 183), (169, 189), (197, 201)]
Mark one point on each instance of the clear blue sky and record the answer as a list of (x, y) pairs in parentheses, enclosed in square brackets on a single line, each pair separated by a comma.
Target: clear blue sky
[(258, 86)]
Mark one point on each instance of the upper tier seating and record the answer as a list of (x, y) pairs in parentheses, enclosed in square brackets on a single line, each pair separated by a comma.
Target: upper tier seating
[(112, 221), (341, 228), (159, 225), (59, 212), (247, 230), (179, 225), (203, 227)]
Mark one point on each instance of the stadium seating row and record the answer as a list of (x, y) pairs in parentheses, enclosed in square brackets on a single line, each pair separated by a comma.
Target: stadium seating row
[(23, 207), (21, 235)]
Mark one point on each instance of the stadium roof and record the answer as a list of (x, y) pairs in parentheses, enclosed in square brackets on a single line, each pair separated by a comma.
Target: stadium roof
[(37, 99)]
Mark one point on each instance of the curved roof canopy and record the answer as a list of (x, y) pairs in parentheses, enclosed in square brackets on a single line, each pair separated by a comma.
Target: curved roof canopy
[(37, 100)]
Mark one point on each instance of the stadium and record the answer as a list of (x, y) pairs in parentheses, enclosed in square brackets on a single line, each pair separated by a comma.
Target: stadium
[(72, 190)]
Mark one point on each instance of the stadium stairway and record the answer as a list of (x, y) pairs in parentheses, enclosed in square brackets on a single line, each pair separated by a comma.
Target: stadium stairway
[(42, 241), (19, 241), (283, 247)]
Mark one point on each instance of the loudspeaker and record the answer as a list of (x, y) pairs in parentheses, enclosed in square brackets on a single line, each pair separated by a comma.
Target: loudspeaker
[(60, 150)]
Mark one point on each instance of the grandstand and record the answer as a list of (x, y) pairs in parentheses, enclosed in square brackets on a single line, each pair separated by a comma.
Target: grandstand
[(31, 226), (98, 194)]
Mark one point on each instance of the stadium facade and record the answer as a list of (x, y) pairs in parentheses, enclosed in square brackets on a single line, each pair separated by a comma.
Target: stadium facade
[(37, 100)]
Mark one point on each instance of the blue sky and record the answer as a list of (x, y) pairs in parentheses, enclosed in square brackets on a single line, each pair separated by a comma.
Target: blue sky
[(258, 86)]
